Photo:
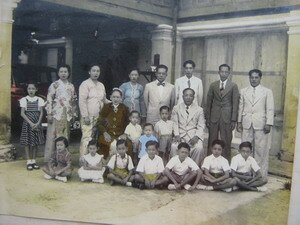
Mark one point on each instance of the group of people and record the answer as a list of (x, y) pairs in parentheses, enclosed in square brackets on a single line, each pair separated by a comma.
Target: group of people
[(167, 150)]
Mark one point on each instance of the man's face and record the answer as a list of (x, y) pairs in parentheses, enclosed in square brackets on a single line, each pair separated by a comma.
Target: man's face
[(254, 79), (224, 73), (161, 74), (188, 97), (188, 69)]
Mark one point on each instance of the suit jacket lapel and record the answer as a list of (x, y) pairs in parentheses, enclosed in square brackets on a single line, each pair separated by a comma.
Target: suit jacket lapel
[(258, 94), (182, 111), (227, 88), (192, 112), (156, 90)]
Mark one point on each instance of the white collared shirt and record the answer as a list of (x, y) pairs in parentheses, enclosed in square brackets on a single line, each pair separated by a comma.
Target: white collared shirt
[(181, 168), (93, 160), (164, 127), (224, 84), (133, 131), (240, 165), (23, 101), (121, 163), (161, 87), (215, 165), (150, 166)]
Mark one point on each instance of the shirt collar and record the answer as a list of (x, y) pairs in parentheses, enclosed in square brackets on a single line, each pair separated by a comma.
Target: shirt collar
[(188, 78), (224, 82), (119, 156), (149, 157), (164, 82)]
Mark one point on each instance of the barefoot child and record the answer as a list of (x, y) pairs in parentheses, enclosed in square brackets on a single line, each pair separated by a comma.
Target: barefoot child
[(134, 131), (32, 134), (150, 168), (181, 169), (59, 165), (147, 136), (92, 164), (164, 131), (245, 170), (120, 166), (216, 170)]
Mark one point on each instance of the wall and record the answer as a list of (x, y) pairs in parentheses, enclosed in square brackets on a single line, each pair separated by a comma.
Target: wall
[(243, 52)]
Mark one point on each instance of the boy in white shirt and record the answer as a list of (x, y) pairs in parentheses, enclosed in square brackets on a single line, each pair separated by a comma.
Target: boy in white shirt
[(181, 169), (133, 131), (246, 171), (164, 132), (150, 169), (216, 170)]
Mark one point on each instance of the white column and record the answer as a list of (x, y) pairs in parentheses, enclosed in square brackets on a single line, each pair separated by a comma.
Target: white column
[(178, 64), (162, 45)]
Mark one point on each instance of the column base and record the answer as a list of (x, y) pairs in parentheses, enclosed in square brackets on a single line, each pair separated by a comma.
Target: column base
[(286, 156)]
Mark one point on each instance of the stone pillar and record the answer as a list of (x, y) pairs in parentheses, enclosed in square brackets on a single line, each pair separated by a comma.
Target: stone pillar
[(294, 209), (162, 45), (6, 20), (178, 61), (292, 87)]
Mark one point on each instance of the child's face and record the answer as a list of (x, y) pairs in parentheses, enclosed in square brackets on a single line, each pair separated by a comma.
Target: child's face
[(183, 153), (217, 150), (31, 89), (148, 130), (164, 114), (245, 152), (134, 118), (116, 98), (60, 146), (152, 151), (122, 149), (63, 73), (92, 149), (94, 72)]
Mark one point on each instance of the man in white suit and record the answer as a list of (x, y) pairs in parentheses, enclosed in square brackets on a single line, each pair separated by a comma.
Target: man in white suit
[(189, 126), (189, 81), (256, 117), (158, 93)]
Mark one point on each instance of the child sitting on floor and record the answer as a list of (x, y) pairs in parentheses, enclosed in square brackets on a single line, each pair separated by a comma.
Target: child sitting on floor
[(134, 131), (181, 169), (216, 170), (164, 131), (150, 168), (147, 136), (120, 166), (92, 164), (59, 165), (246, 171)]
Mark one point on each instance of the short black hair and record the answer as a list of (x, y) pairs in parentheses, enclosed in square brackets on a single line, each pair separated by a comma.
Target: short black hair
[(246, 144), (154, 143), (64, 66), (224, 65), (162, 66), (117, 90), (164, 107), (184, 145), (149, 124), (255, 71), (121, 141), (188, 89), (134, 111), (63, 139), (189, 62), (218, 142), (93, 142)]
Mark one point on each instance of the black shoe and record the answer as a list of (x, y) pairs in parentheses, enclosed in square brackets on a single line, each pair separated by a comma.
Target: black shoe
[(141, 186), (29, 167), (35, 166)]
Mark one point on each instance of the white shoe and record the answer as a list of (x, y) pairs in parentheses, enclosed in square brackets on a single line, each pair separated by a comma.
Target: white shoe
[(171, 187), (48, 177), (63, 179), (262, 189), (234, 188), (128, 184), (227, 190), (187, 187)]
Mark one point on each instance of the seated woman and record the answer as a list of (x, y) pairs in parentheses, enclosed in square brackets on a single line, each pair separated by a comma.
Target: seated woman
[(111, 124)]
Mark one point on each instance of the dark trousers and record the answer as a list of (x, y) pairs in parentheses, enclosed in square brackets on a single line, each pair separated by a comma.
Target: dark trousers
[(225, 135)]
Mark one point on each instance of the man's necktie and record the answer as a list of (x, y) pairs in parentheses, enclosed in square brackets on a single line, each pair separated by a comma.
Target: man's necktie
[(253, 95), (222, 86), (189, 83), (187, 110), (162, 84)]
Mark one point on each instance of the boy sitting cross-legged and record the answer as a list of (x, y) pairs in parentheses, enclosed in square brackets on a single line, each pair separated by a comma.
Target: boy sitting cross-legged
[(246, 171), (181, 169), (150, 169), (216, 170), (120, 166)]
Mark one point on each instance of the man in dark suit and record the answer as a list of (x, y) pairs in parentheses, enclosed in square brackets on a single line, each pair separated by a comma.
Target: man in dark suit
[(222, 110)]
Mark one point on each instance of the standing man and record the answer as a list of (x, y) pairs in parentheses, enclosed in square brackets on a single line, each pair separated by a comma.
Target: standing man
[(189, 81), (158, 93), (189, 126), (222, 110), (256, 117)]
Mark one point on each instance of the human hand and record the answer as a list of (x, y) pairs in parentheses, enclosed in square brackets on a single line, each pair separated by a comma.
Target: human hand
[(123, 136), (267, 129), (107, 137), (239, 127), (86, 121), (193, 141), (232, 125)]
